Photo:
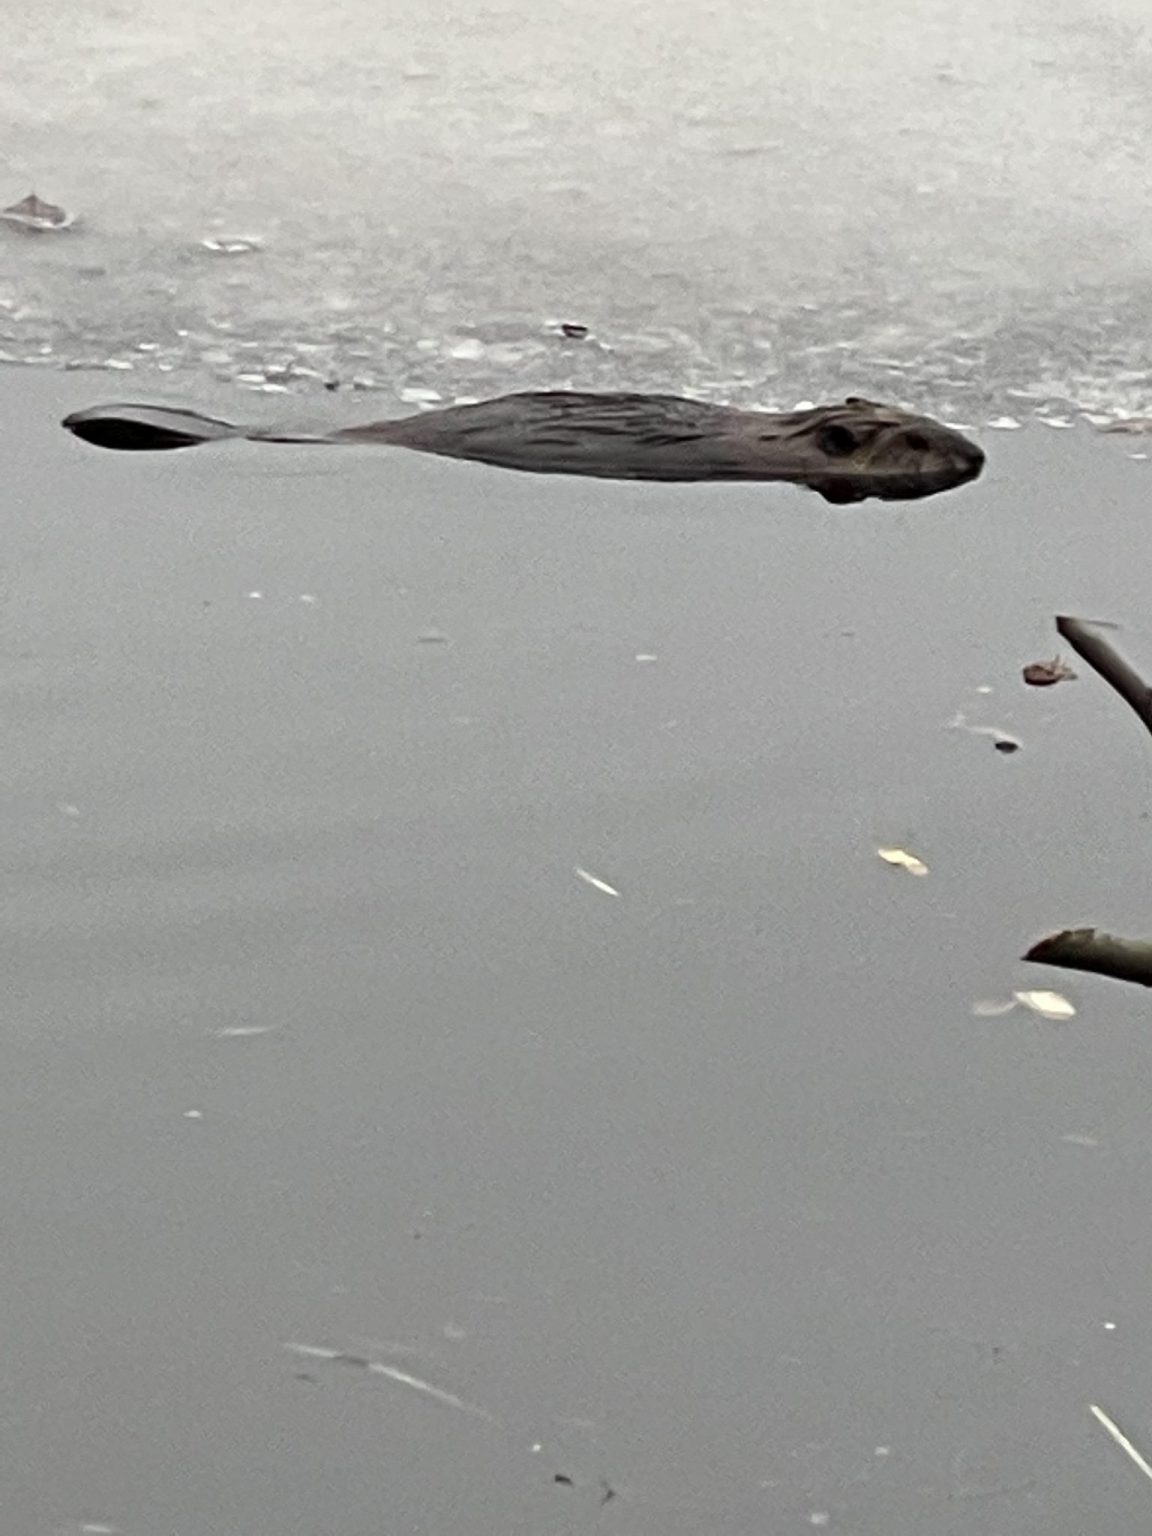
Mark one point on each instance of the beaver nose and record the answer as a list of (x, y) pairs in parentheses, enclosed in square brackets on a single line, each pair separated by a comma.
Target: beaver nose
[(972, 458), (966, 457)]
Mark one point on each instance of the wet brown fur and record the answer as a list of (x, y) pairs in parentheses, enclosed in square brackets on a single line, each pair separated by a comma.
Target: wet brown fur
[(847, 452)]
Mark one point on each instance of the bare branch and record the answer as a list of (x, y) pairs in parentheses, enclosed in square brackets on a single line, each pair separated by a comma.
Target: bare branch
[(1107, 661), (1087, 949)]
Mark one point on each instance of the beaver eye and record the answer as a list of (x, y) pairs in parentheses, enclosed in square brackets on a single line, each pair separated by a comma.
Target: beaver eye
[(836, 440), (917, 442)]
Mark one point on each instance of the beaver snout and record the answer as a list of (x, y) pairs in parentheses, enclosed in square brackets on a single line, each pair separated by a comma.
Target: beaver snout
[(944, 452), (969, 456)]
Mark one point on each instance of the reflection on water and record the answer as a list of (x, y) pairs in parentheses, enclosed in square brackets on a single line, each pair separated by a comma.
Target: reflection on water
[(761, 204)]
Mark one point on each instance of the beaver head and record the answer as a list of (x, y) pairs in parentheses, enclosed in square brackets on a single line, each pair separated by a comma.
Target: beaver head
[(859, 449)]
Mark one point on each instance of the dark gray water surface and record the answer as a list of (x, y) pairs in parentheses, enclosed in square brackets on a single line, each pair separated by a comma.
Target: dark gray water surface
[(716, 1189), (315, 1041)]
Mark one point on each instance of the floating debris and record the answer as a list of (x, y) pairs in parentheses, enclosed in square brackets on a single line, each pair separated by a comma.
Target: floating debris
[(607, 1492), (97, 364), (993, 1007), (1121, 1439), (573, 331), (238, 245), (903, 860), (1132, 425), (1049, 1005), (1001, 740), (595, 882), (33, 212), (1043, 674), (392, 1372), (333, 1356)]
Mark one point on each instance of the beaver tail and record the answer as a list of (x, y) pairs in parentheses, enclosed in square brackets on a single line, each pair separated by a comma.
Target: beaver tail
[(140, 428), (152, 428)]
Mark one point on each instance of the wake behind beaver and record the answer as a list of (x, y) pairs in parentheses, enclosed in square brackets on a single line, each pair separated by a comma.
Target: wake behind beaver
[(846, 452)]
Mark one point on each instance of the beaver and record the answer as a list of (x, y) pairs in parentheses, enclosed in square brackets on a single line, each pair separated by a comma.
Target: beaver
[(846, 452)]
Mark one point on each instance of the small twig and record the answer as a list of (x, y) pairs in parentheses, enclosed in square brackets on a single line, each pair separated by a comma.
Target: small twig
[(1121, 1439), (1087, 949), (1107, 661)]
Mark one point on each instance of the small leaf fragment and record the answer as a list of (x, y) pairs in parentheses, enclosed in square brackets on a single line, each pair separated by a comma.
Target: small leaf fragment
[(903, 860), (1049, 1005), (1043, 674)]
